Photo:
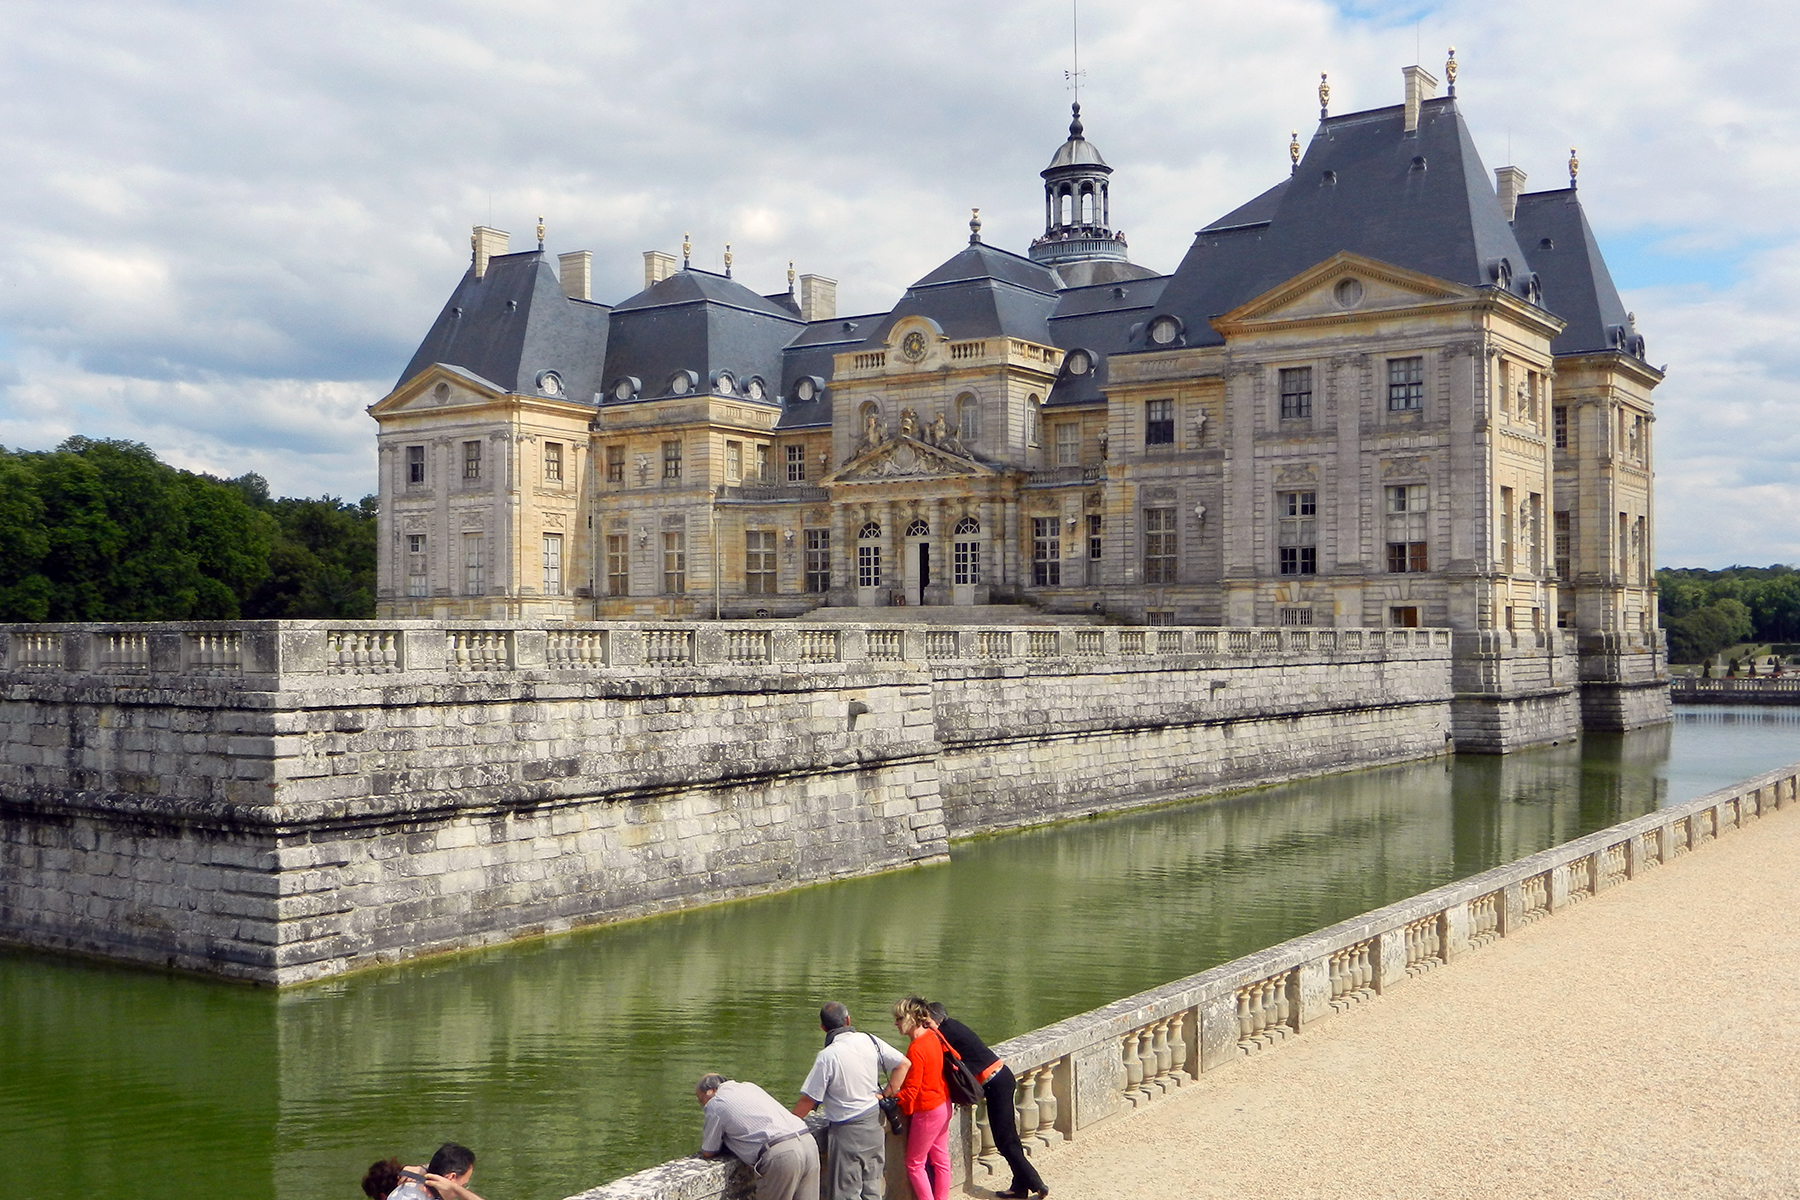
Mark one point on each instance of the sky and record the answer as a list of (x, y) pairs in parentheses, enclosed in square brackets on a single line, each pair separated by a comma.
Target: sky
[(227, 226)]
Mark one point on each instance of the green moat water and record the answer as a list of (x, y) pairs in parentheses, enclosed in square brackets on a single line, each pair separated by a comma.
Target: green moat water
[(569, 1062)]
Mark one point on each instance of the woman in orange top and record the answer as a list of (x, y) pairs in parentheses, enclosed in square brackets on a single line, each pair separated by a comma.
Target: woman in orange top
[(926, 1101)]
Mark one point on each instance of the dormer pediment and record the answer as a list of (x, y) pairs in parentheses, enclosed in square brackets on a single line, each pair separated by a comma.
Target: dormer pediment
[(1344, 285)]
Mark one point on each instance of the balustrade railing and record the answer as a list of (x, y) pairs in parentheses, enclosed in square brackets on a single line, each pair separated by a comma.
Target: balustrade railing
[(1579, 877), (421, 647), (1139, 1048)]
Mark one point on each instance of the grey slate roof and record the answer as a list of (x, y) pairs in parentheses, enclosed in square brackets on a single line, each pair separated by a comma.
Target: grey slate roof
[(513, 323), (1577, 286), (811, 354), (697, 321), (981, 291), (1100, 320), (1421, 201)]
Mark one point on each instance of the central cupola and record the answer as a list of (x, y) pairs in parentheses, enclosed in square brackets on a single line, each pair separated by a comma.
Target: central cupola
[(1078, 209)]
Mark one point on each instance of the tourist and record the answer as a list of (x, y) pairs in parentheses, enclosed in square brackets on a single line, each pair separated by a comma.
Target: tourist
[(926, 1101), (445, 1177), (750, 1124), (845, 1082), (998, 1084)]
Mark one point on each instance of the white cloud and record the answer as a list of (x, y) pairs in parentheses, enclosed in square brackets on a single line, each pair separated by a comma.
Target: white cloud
[(215, 211)]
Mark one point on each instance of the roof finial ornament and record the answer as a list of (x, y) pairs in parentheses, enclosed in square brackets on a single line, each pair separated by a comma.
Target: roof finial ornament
[(1324, 96), (1294, 150), (728, 260), (790, 276), (1574, 168), (540, 232), (687, 250), (1075, 127), (974, 227), (1450, 72)]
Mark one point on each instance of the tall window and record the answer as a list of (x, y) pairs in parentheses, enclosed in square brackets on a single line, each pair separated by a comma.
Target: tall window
[(615, 464), (1406, 384), (1407, 515), (471, 462), (1068, 444), (474, 564), (868, 555), (1532, 514), (1159, 422), (1096, 544), (618, 564), (1506, 530), (415, 466), (1034, 421), (1159, 545), (762, 463), (418, 566), (674, 561), (796, 463), (553, 564), (734, 461), (759, 562), (1046, 551), (553, 462), (1564, 544), (1297, 533), (968, 417), (1296, 393), (1559, 426), (671, 460), (818, 560), (967, 556), (1640, 539)]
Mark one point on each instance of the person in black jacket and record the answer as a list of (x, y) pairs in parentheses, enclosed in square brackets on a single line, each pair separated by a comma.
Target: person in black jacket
[(998, 1084)]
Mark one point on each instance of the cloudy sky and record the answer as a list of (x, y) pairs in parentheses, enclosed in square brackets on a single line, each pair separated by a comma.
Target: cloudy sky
[(227, 225)]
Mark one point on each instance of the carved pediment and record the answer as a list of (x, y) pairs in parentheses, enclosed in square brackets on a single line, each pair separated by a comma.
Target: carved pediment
[(907, 458), (1344, 285), (437, 386)]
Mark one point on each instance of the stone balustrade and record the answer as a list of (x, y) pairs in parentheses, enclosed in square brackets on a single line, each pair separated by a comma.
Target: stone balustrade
[(1077, 1074), (1690, 689), (253, 651)]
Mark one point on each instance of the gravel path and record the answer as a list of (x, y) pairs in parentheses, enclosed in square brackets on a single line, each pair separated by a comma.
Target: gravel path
[(1644, 1043)]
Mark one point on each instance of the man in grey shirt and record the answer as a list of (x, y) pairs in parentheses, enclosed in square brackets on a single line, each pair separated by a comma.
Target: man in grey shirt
[(752, 1125), (845, 1081)]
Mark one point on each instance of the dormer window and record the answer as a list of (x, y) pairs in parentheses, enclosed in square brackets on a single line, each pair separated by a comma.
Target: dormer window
[(1079, 362), (1164, 331), (724, 384), (550, 383)]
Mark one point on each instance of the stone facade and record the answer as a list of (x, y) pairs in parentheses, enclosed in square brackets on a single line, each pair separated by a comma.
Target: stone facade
[(1384, 393), (279, 801)]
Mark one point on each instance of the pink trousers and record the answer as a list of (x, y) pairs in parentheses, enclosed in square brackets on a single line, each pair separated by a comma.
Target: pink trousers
[(928, 1153)]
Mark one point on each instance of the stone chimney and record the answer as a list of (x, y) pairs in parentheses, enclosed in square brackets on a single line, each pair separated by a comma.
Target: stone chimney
[(1421, 85), (487, 242), (818, 298), (658, 266), (1509, 182), (577, 274)]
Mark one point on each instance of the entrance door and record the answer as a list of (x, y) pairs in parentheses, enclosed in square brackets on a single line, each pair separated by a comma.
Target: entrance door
[(924, 572), (965, 566), (918, 561)]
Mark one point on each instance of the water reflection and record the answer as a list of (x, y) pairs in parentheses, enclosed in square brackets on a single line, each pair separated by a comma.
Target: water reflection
[(568, 1062)]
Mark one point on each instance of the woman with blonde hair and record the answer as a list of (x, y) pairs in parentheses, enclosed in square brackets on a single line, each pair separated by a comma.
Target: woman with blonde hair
[(926, 1101)]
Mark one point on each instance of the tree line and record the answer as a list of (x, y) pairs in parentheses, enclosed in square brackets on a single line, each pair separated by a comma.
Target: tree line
[(102, 530), (1707, 611)]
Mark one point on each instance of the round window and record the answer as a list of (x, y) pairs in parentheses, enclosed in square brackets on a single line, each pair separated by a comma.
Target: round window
[(1349, 293), (680, 384), (550, 383), (1164, 330), (622, 390), (725, 385), (1079, 363), (754, 389), (804, 390)]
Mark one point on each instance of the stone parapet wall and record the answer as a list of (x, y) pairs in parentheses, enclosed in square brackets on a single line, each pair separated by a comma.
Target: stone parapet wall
[(279, 801), (1078, 1074), (1689, 689)]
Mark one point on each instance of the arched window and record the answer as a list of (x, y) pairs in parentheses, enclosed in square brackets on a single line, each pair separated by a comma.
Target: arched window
[(918, 528), (966, 553), (870, 531), (968, 525), (968, 417), (1087, 205), (1064, 205), (868, 555), (869, 411)]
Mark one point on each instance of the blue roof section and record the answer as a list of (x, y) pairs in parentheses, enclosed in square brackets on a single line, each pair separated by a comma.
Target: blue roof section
[(701, 322), (1422, 201), (980, 292), (1100, 320), (514, 323), (1577, 286)]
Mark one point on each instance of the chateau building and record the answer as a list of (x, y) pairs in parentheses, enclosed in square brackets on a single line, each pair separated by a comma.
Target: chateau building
[(1391, 390)]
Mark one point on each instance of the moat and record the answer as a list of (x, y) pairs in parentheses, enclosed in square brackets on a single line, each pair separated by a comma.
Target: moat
[(567, 1062)]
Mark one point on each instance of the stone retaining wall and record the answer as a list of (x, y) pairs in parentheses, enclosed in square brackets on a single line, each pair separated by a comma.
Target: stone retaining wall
[(1080, 1073), (278, 801)]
